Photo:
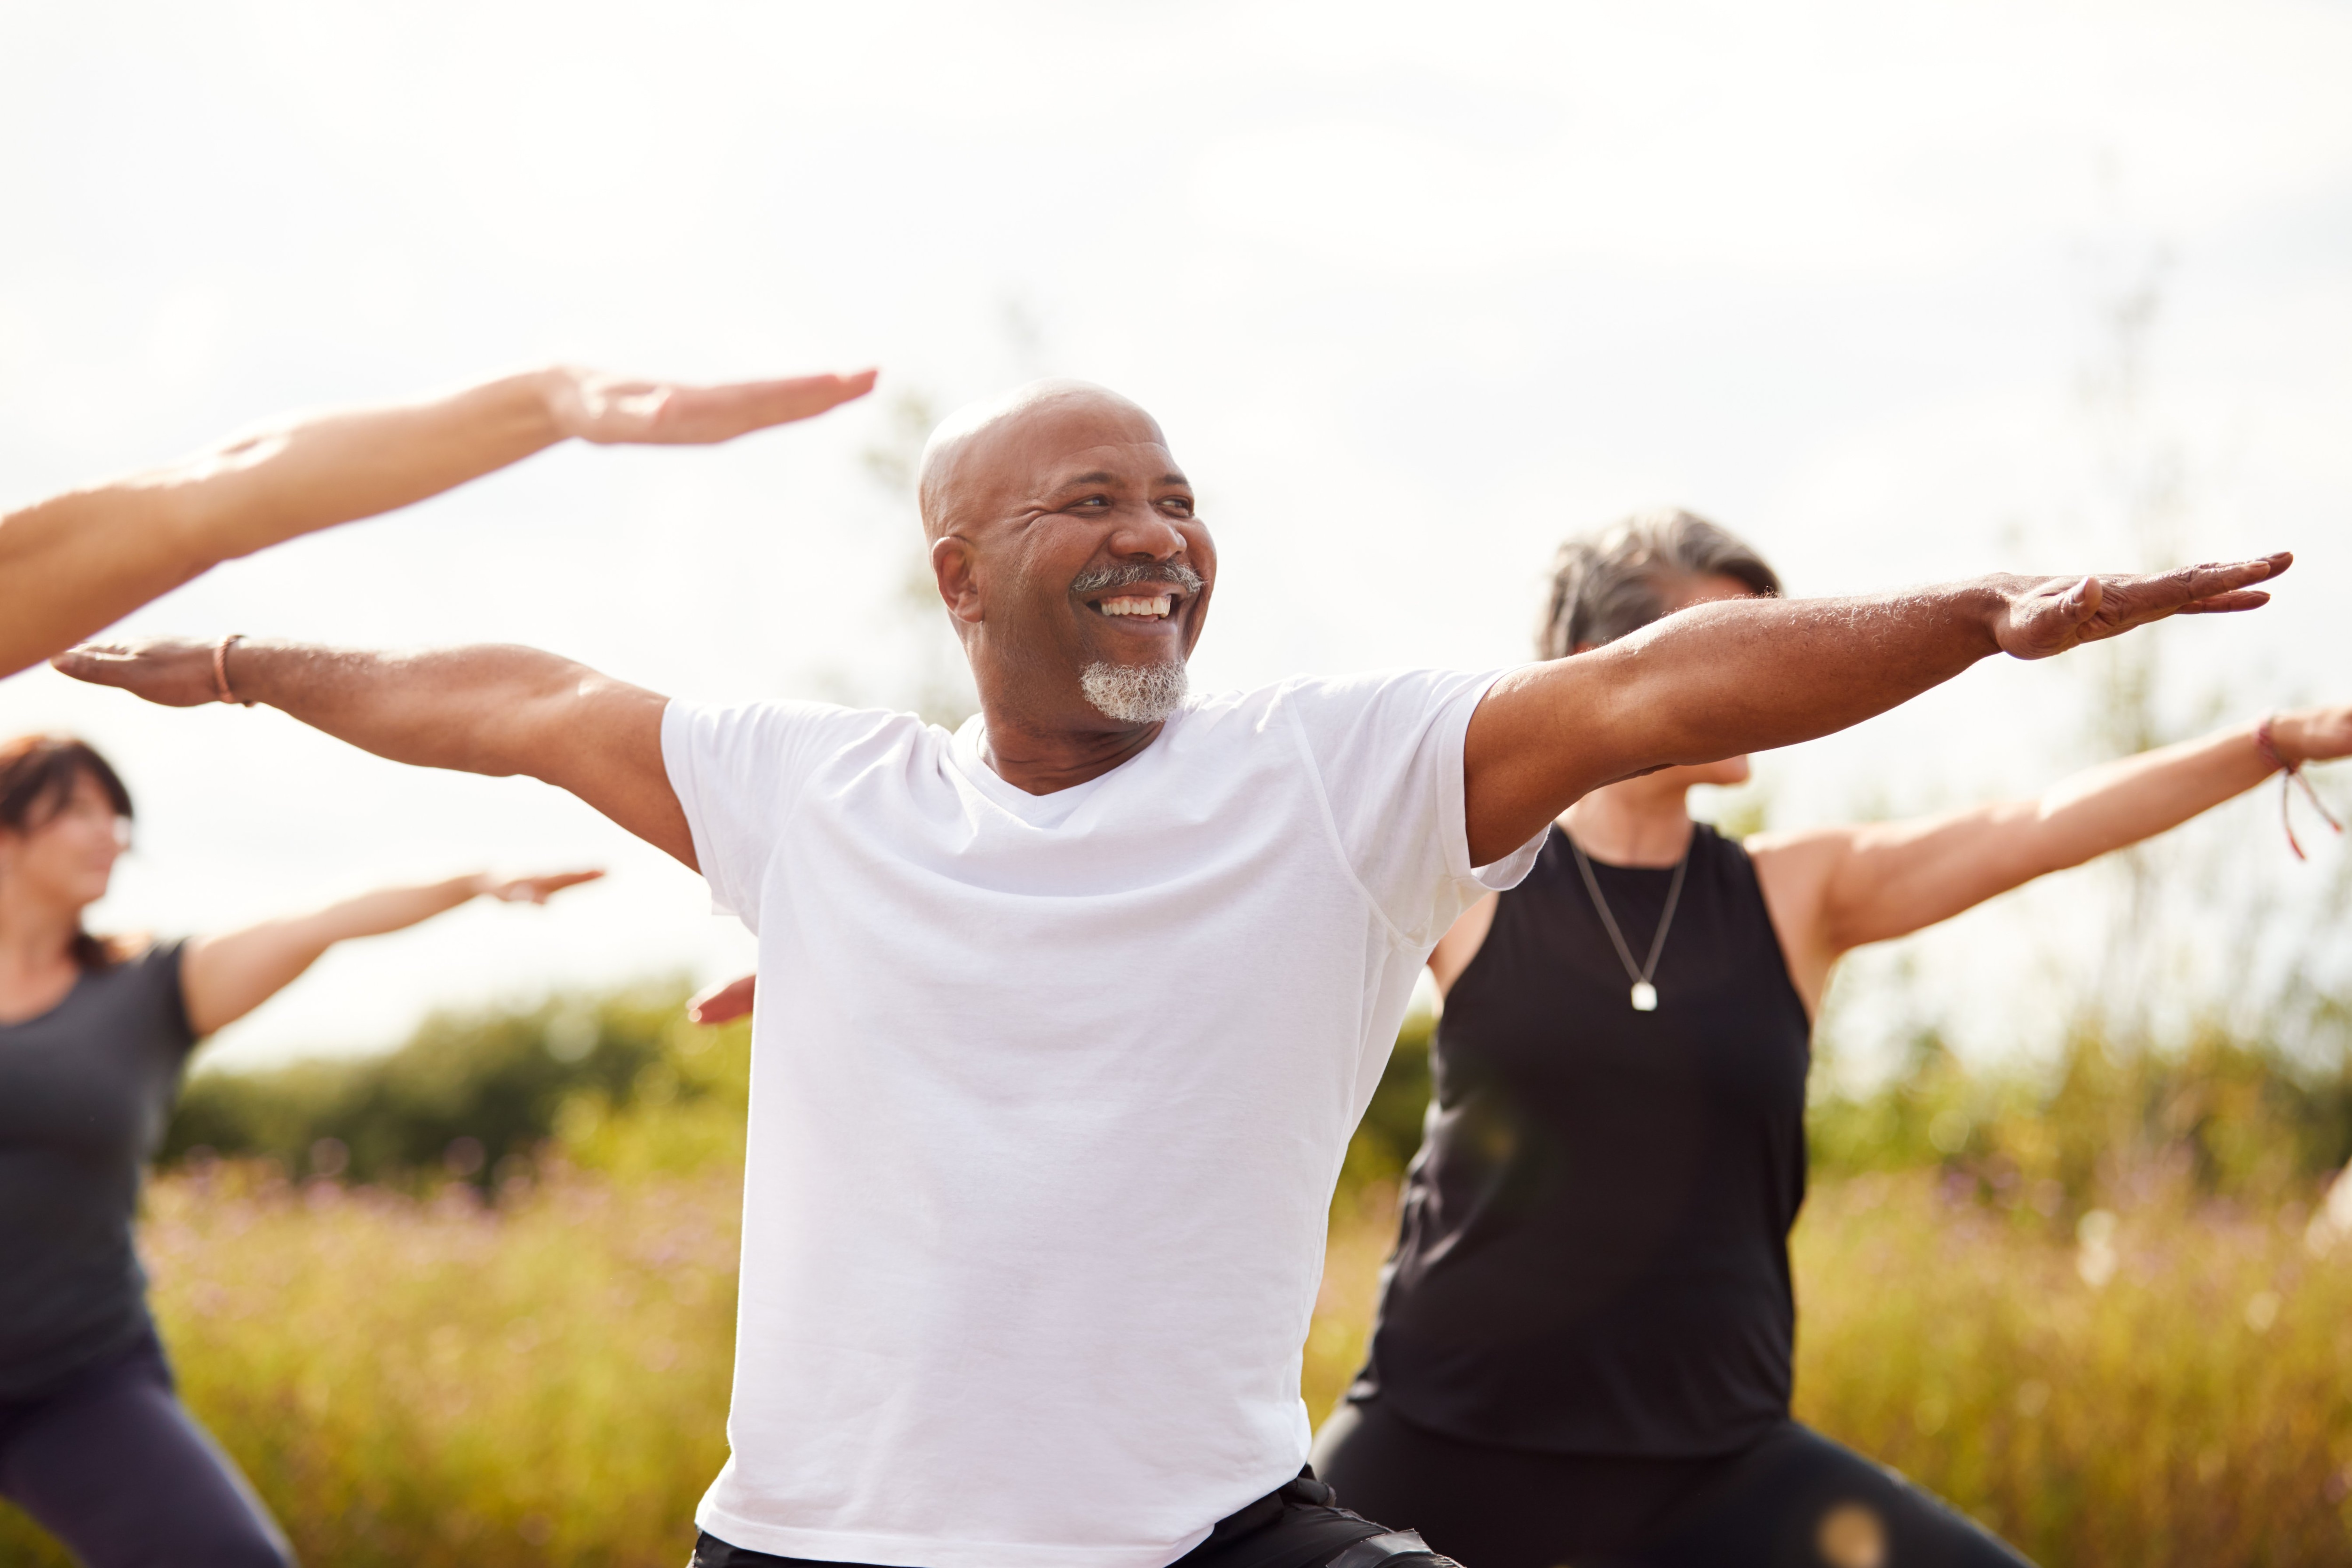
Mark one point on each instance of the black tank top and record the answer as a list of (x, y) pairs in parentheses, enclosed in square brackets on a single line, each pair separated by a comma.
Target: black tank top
[(1593, 1257)]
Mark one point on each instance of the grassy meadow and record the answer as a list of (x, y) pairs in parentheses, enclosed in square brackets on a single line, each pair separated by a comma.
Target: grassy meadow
[(2070, 1313)]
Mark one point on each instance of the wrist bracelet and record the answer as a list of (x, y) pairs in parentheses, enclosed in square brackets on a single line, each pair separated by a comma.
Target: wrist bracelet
[(2291, 774), (221, 692)]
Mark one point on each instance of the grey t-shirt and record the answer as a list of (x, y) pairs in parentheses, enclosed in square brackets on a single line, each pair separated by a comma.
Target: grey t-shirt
[(85, 1091)]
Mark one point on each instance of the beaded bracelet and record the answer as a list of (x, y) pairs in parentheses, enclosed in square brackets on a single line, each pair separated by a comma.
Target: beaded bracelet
[(2292, 771), (220, 671)]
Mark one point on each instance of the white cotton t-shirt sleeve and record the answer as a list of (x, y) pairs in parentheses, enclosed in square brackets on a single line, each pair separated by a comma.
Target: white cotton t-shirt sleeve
[(1386, 751), (738, 770)]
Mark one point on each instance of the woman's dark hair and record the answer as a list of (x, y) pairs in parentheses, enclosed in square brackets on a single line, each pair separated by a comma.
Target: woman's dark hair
[(37, 774), (1607, 584)]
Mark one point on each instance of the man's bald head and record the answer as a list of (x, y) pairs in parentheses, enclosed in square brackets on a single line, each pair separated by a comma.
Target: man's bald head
[(1066, 546), (1009, 442)]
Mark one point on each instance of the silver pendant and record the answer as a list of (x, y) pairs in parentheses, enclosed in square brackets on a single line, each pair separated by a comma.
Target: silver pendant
[(1645, 997)]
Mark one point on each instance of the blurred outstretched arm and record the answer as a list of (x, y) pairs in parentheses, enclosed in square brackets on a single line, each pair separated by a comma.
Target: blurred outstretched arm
[(224, 977), (1834, 889), (1749, 675), (75, 563)]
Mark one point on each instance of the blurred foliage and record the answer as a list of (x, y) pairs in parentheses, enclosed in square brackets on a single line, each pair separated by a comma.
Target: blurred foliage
[(470, 1095), (1390, 1133), (2235, 1118), (622, 1083), (2161, 1383)]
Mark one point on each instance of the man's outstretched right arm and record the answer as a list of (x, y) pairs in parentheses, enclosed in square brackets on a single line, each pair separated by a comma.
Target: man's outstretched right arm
[(491, 708)]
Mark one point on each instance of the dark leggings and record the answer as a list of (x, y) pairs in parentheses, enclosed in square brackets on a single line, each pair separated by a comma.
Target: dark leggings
[(112, 1465), (1791, 1499), (1296, 1525)]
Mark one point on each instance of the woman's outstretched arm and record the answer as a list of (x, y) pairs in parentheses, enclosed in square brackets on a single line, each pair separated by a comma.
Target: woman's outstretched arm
[(76, 562), (1834, 889), (222, 979)]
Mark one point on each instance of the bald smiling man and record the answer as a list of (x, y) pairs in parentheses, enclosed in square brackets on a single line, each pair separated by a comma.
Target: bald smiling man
[(1085, 998)]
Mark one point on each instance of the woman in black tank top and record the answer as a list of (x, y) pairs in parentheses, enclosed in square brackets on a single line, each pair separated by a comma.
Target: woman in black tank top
[(1584, 1345), (94, 1036)]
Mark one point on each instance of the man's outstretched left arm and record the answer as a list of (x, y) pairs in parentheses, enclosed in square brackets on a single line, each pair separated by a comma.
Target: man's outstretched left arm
[(1739, 675)]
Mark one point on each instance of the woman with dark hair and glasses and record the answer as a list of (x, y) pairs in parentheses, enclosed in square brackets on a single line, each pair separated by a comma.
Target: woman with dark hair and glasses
[(94, 1034), (1584, 1346)]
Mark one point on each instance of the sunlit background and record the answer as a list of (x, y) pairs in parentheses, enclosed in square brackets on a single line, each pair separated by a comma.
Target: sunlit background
[(1900, 292)]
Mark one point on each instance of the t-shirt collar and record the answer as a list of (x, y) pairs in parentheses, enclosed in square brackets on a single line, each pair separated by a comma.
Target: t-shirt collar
[(967, 757)]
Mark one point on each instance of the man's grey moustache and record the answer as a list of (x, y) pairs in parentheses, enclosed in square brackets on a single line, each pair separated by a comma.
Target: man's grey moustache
[(1183, 576)]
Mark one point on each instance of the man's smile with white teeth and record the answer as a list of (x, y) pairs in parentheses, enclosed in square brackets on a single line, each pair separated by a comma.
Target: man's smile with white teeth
[(1156, 606)]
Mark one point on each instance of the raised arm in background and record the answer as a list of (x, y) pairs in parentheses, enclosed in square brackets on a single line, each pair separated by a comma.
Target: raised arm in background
[(76, 562), (1749, 675), (1831, 890), (491, 708), (222, 979), (722, 1003)]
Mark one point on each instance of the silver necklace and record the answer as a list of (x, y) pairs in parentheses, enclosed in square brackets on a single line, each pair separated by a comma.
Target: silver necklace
[(1645, 994)]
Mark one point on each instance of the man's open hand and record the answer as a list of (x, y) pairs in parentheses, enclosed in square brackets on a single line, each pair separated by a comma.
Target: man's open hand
[(176, 672), (2050, 615), (609, 409)]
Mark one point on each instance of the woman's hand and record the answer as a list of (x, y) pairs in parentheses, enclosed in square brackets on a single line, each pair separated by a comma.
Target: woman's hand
[(533, 889), (722, 1003), (2312, 733), (610, 410)]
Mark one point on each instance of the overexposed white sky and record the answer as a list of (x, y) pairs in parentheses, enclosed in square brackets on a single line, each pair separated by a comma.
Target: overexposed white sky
[(1415, 290)]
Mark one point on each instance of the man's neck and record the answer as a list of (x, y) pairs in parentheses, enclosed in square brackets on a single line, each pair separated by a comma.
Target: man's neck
[(1040, 759), (1637, 822)]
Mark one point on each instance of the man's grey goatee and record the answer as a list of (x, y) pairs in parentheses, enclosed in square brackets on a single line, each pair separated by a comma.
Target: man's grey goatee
[(1134, 693)]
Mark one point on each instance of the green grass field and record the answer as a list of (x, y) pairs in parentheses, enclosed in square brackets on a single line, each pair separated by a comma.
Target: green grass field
[(2096, 1313), (424, 1380)]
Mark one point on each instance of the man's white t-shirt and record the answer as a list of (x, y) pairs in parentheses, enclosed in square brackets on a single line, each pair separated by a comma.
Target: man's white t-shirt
[(1048, 1096)]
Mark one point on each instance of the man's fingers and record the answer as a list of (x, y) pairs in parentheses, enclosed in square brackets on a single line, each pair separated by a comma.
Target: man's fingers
[(173, 671), (2215, 578), (2222, 604), (97, 662), (2214, 588)]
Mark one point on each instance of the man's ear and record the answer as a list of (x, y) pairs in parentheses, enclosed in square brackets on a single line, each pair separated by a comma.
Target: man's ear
[(956, 568)]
